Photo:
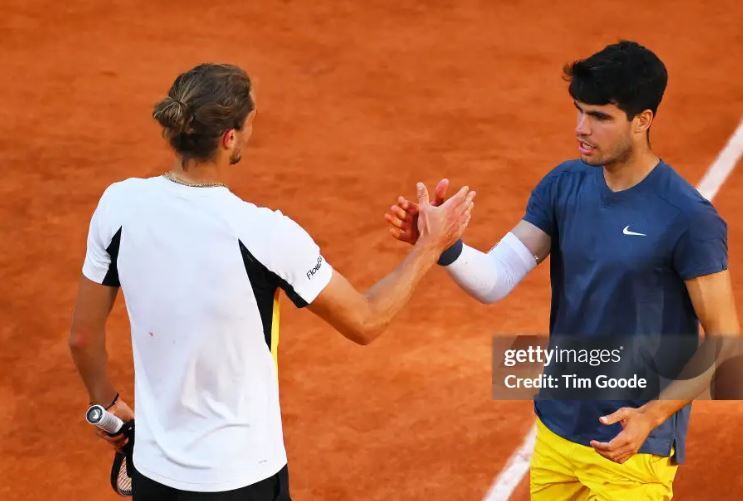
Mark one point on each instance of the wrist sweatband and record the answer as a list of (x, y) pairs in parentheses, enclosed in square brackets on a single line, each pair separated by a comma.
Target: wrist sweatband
[(451, 254)]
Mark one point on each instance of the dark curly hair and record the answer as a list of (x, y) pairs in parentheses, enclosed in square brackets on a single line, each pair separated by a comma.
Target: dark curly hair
[(625, 74)]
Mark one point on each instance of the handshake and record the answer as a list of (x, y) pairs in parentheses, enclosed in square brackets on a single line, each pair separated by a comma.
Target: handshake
[(437, 224)]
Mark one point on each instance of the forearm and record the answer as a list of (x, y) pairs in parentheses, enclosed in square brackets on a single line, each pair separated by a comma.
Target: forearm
[(489, 277), (91, 361), (660, 410), (387, 297), (692, 383)]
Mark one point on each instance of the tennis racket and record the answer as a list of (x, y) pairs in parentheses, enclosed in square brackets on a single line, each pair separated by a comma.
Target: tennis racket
[(121, 472)]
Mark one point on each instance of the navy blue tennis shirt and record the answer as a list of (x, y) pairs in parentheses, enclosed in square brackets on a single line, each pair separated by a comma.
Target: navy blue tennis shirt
[(617, 267)]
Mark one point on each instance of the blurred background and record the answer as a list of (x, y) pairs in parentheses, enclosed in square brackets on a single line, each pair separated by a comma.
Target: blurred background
[(357, 100)]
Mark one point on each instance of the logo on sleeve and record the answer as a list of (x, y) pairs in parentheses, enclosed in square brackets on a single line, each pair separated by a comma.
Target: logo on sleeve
[(313, 270)]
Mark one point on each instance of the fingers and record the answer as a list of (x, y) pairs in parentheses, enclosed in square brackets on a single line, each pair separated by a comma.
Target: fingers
[(439, 193), (620, 456), (615, 417), (601, 446), (466, 221), (400, 212), (407, 205), (422, 191), (398, 217), (393, 220), (117, 441), (468, 204), (471, 196), (618, 450), (404, 235), (458, 199)]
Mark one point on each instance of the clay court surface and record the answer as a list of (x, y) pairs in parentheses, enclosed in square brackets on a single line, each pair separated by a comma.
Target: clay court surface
[(356, 102)]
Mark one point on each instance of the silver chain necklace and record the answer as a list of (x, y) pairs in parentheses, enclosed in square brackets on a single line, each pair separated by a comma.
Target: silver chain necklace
[(172, 177)]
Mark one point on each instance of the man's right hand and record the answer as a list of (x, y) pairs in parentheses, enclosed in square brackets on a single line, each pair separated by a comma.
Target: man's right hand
[(439, 227), (121, 410), (363, 317), (403, 216)]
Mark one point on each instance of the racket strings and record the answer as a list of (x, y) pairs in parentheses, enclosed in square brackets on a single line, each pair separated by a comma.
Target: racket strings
[(123, 480)]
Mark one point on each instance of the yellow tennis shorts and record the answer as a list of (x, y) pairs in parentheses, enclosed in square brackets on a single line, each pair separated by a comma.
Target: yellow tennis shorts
[(562, 470)]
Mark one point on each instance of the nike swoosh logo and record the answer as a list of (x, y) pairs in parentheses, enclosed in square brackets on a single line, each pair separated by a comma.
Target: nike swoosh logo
[(634, 233)]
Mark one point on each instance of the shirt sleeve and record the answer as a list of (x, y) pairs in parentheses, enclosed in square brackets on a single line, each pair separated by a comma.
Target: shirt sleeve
[(702, 248), (103, 245), (540, 208), (296, 259)]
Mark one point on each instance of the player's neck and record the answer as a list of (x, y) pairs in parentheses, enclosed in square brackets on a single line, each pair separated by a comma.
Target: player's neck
[(627, 172), (211, 172)]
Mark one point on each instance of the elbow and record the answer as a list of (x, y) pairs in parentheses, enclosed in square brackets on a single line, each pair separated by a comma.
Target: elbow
[(365, 331), (499, 291), (364, 335), (366, 326), (78, 340), (363, 339), (492, 297), (485, 300)]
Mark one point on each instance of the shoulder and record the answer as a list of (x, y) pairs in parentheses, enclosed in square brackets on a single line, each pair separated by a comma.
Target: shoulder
[(569, 170), (566, 174), (267, 229), (121, 191), (676, 191), (267, 220), (693, 211)]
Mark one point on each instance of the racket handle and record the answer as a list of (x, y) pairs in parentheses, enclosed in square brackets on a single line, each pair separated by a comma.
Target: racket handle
[(100, 417)]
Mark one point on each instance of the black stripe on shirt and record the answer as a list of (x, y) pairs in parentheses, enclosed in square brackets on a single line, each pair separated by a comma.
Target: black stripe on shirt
[(264, 283), (112, 275)]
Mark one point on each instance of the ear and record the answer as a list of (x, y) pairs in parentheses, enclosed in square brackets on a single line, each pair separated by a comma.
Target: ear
[(228, 139), (642, 122)]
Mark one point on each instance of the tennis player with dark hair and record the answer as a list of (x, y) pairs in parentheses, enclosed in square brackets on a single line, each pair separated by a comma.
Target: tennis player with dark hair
[(635, 250), (201, 270)]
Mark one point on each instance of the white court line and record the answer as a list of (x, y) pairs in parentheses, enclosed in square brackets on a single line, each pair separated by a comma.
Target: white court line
[(723, 165), (515, 469), (518, 464)]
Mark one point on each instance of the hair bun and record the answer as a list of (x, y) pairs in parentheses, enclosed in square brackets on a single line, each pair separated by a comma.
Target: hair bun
[(172, 114)]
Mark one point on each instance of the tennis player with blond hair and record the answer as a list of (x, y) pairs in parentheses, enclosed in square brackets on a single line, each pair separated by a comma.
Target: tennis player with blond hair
[(201, 271)]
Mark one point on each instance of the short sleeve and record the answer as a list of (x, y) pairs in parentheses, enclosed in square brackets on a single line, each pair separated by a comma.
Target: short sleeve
[(702, 248), (296, 259), (540, 209), (100, 263)]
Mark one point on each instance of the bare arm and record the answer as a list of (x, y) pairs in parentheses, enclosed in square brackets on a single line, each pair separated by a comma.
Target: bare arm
[(714, 303), (537, 241), (88, 338), (88, 348), (362, 317), (712, 298)]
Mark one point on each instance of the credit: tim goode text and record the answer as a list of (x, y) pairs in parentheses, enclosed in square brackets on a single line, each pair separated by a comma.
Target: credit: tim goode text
[(547, 356)]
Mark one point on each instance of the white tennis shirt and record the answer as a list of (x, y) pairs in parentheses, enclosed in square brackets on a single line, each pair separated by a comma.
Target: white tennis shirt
[(200, 270)]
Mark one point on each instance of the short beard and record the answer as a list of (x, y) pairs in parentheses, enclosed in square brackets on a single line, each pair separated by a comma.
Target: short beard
[(592, 164), (622, 156)]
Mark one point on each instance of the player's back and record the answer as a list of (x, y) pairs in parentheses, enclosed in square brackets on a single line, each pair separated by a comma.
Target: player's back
[(199, 271)]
